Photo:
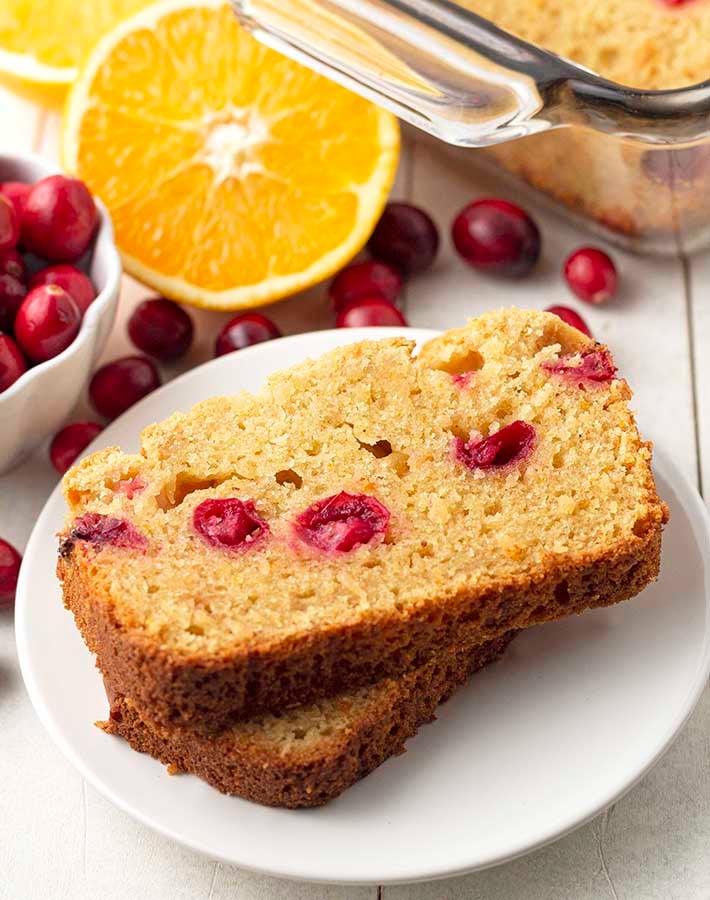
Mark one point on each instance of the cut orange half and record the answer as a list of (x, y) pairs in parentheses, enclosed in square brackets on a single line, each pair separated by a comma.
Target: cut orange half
[(233, 175), (43, 42)]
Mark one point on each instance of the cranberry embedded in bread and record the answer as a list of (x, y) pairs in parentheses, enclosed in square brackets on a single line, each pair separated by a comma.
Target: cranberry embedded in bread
[(506, 447), (342, 522), (229, 523), (592, 365), (100, 531)]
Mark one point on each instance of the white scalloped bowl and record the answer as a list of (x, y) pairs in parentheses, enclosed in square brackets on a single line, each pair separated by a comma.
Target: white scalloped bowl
[(42, 399)]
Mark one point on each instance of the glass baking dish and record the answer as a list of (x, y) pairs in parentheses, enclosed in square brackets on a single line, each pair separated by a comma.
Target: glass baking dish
[(635, 164)]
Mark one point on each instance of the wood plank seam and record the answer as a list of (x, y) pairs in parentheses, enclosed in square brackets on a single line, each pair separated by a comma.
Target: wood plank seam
[(688, 292)]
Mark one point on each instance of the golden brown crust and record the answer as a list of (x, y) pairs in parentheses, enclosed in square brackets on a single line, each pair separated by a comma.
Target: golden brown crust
[(253, 769), (213, 694)]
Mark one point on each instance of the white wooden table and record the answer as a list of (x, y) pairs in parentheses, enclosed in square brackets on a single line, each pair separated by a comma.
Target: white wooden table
[(60, 839)]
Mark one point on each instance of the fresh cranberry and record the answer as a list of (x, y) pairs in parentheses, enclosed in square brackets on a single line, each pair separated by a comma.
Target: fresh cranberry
[(121, 383), (12, 287), (243, 331), (47, 322), (75, 282), (405, 237), (16, 192), (228, 523), (100, 530), (571, 318), (589, 365), (497, 237), (12, 362), (59, 218), (12, 293), (503, 448), (161, 328), (9, 224), (371, 311), (365, 279), (68, 443), (591, 275), (12, 263), (10, 561), (342, 522)]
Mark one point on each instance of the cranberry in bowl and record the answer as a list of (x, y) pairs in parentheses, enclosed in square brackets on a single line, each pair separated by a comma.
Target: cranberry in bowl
[(36, 404)]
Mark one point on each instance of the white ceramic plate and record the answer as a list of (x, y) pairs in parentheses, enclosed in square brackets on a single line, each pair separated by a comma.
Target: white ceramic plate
[(574, 714)]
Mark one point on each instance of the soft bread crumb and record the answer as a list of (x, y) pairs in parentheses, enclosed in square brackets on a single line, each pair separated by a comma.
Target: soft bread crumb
[(647, 44)]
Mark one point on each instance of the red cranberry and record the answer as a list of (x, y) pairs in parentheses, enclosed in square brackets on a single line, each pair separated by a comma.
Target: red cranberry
[(371, 311), (12, 263), (570, 317), (405, 237), (342, 522), (365, 279), (503, 448), (498, 237), (99, 530), (12, 287), (161, 328), (243, 331), (589, 365), (12, 362), (68, 443), (229, 523), (591, 275), (12, 293), (16, 192), (59, 218), (121, 383), (9, 224), (47, 322), (10, 561), (75, 282)]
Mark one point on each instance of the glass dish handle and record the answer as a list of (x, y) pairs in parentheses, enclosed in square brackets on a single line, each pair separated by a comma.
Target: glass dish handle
[(432, 63)]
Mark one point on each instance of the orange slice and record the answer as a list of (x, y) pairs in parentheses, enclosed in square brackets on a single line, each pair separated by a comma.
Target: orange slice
[(42, 42), (233, 175)]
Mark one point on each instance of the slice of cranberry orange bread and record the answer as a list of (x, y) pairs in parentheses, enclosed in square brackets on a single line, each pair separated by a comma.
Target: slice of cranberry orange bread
[(308, 754), (362, 511)]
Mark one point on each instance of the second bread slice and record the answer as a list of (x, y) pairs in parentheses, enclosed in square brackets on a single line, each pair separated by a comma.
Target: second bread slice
[(310, 754)]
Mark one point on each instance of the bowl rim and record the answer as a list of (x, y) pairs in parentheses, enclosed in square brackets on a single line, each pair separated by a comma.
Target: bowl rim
[(104, 243)]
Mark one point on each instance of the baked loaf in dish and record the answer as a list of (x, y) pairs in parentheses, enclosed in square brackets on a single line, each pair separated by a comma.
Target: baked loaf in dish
[(360, 513), (655, 196), (648, 44), (309, 754)]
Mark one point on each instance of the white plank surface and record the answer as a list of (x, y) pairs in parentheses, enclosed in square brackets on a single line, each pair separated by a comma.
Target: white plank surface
[(59, 839)]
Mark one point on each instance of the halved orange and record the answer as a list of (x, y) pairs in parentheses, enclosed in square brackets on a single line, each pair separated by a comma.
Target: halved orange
[(234, 176), (43, 42)]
